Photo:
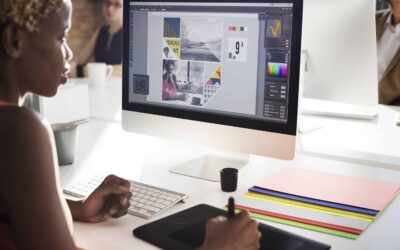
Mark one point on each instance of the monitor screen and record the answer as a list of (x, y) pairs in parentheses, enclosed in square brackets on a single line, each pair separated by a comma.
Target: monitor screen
[(233, 63)]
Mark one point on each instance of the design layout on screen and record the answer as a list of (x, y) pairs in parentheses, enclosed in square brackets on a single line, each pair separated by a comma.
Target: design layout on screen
[(224, 59)]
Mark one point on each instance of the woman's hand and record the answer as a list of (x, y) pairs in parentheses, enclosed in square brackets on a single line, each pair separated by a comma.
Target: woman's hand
[(240, 232), (109, 200)]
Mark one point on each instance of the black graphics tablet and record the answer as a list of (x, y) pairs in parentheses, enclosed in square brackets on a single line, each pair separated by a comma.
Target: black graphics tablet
[(186, 230)]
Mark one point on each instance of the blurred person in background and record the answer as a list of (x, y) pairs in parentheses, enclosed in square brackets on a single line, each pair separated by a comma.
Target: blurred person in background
[(388, 38), (105, 45)]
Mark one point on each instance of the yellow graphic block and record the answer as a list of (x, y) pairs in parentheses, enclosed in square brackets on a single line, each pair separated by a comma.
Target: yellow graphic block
[(175, 46)]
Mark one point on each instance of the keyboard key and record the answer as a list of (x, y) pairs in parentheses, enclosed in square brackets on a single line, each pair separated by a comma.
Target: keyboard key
[(170, 198), (159, 205), (154, 209)]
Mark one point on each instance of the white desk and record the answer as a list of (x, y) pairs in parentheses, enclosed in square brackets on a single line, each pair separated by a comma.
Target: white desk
[(104, 148), (372, 142)]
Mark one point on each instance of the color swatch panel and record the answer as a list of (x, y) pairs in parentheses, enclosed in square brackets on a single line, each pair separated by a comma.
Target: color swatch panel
[(237, 28), (277, 69)]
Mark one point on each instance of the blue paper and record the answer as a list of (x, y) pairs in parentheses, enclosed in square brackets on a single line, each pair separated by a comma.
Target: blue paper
[(314, 201)]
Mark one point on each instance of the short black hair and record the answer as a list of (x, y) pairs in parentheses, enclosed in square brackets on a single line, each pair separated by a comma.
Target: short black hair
[(169, 62)]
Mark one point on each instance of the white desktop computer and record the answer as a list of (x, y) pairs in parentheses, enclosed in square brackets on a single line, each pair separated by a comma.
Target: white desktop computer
[(339, 37), (224, 74)]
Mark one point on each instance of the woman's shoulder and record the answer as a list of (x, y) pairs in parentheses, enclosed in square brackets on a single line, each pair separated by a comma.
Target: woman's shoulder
[(19, 118), (25, 145), (21, 127)]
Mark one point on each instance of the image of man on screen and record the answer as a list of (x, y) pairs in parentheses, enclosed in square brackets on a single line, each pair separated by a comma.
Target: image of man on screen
[(166, 52)]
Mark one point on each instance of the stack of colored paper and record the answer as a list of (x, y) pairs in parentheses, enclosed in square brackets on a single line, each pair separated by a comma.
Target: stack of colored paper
[(330, 203)]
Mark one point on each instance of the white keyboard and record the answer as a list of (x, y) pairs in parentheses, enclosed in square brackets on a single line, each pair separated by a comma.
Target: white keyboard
[(146, 201)]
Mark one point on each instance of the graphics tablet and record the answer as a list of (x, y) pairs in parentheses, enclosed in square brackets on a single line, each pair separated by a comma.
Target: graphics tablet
[(186, 230)]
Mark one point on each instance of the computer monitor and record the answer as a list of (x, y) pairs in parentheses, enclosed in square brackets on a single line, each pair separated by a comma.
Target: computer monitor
[(340, 39), (219, 73)]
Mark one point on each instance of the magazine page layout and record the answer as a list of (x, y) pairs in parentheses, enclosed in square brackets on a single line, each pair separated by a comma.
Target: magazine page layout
[(203, 60)]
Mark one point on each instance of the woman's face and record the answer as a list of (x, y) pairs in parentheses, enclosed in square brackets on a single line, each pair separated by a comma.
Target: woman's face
[(44, 61), (171, 68), (112, 10)]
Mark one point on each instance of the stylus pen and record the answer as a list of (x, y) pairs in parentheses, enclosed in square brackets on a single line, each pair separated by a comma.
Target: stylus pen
[(231, 208)]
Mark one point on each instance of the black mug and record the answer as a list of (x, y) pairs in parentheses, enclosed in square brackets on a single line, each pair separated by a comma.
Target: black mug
[(229, 179)]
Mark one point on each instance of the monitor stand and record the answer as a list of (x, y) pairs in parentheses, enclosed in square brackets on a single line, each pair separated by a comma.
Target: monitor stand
[(209, 165)]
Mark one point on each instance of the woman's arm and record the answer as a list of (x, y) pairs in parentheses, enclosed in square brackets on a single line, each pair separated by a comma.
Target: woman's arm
[(29, 193), (174, 81), (75, 206)]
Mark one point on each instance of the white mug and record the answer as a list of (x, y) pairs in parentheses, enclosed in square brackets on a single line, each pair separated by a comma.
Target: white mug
[(99, 72)]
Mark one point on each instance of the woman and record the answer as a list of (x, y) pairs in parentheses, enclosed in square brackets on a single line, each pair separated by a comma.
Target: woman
[(105, 45), (170, 86), (34, 58)]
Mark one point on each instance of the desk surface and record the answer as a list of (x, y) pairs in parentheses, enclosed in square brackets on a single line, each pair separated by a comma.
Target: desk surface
[(103, 147)]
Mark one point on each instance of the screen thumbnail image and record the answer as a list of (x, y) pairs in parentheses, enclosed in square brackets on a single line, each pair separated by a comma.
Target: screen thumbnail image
[(171, 38), (171, 48), (172, 27), (201, 39), (197, 39), (274, 28), (185, 81)]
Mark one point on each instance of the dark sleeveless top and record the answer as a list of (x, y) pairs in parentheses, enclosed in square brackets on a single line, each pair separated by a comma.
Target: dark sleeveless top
[(112, 55), (7, 241)]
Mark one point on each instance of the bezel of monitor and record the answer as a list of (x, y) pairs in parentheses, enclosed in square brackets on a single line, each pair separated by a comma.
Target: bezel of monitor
[(290, 128)]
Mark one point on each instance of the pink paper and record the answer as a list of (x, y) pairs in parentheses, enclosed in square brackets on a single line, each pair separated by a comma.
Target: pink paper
[(347, 190)]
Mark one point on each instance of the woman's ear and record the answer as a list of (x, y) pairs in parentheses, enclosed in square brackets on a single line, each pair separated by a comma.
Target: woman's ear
[(12, 40)]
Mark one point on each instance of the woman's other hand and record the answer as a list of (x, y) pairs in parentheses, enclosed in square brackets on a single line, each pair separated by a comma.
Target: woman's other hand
[(109, 200)]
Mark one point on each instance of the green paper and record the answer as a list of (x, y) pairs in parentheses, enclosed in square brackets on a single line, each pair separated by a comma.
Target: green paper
[(303, 225), (300, 225)]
